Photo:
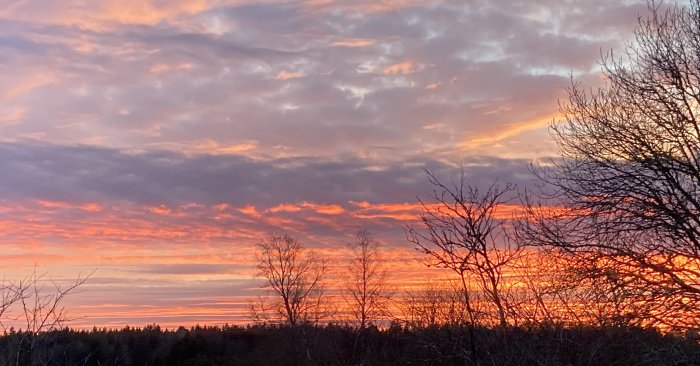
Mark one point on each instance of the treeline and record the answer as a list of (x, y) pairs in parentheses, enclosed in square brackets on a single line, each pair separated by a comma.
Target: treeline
[(344, 345)]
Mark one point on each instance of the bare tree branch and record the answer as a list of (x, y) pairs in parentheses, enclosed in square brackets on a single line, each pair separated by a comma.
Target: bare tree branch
[(365, 289), (628, 185), (294, 277)]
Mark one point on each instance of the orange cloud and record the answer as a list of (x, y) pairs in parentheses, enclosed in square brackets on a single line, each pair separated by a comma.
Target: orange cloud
[(91, 207), (150, 12), (325, 209), (210, 146), (410, 211), (490, 137), (140, 251), (250, 210), (102, 14), (286, 75), (160, 210), (331, 209), (353, 42), (163, 68), (285, 207), (404, 67), (12, 115), (18, 84), (397, 211), (53, 205)]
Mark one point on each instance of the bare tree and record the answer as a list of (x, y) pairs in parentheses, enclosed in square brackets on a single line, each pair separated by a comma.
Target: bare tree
[(294, 277), (34, 304), (535, 299), (628, 185), (462, 231), (435, 303), (9, 296), (42, 299), (366, 291), (554, 289)]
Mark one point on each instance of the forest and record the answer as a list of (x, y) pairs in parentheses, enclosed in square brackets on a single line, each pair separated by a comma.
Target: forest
[(345, 345), (597, 264)]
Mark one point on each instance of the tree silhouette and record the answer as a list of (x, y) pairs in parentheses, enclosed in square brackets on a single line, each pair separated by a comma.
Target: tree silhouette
[(294, 277), (462, 231), (628, 185), (365, 289), (434, 304)]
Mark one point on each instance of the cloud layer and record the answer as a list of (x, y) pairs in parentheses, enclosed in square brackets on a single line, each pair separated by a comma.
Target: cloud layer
[(386, 80), (157, 140)]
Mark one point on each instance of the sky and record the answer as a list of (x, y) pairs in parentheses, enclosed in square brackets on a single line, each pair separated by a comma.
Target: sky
[(156, 141)]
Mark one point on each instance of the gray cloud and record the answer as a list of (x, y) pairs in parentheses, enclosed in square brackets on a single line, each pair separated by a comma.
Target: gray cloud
[(80, 173), (175, 83)]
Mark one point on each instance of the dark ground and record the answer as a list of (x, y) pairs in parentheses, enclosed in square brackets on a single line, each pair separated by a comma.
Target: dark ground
[(340, 345)]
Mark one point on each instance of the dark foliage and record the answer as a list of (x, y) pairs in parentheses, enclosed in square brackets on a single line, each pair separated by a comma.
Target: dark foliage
[(341, 345)]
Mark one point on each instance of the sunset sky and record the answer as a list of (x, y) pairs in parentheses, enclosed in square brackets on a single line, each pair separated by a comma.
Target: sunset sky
[(156, 141)]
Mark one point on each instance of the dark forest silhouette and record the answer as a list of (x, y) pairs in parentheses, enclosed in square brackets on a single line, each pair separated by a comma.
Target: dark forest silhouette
[(344, 345)]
